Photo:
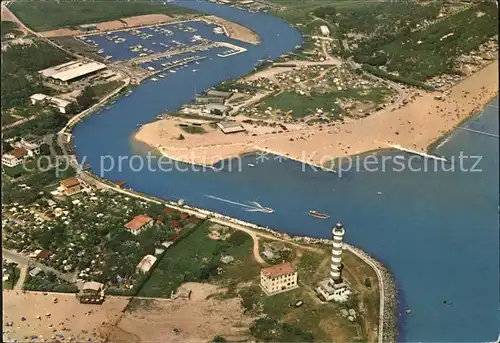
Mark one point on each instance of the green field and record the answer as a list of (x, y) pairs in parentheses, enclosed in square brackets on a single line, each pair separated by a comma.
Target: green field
[(70, 13), (194, 258), (302, 106)]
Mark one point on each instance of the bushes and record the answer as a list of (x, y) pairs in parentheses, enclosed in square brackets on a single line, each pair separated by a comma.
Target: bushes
[(270, 330), (48, 282)]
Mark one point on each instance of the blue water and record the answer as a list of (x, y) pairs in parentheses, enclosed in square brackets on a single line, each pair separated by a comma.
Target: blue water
[(121, 51), (436, 231)]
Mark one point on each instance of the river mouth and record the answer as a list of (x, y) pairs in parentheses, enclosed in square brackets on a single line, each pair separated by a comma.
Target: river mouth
[(428, 228)]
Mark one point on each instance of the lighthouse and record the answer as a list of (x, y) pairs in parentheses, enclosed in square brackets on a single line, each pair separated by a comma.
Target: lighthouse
[(336, 265), (335, 287)]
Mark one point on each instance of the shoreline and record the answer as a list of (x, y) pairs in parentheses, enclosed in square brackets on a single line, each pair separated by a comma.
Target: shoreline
[(387, 325), (355, 137)]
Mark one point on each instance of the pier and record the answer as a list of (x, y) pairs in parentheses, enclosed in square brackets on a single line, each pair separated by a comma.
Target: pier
[(415, 152), (286, 157), (479, 132)]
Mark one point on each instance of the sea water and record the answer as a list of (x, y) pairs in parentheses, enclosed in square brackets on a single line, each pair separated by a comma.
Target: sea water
[(436, 231)]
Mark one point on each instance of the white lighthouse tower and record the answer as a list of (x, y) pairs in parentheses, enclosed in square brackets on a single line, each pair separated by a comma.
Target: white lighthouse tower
[(335, 288), (336, 266)]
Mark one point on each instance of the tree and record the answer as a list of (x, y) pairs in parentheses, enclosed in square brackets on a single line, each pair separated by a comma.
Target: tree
[(219, 339), (86, 98), (181, 137)]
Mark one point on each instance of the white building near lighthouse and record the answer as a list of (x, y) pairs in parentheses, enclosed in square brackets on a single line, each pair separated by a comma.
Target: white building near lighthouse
[(335, 288)]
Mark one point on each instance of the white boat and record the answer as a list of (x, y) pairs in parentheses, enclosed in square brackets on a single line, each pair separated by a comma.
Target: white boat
[(195, 70), (251, 165), (154, 79), (172, 71)]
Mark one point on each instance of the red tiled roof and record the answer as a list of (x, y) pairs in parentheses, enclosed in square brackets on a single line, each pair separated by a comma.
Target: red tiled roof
[(19, 152), (71, 182), (44, 254), (279, 270), (138, 222)]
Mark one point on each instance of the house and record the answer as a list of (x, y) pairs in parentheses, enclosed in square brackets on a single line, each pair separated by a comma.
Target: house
[(87, 27), (278, 278), (71, 186), (31, 143), (15, 157), (146, 264), (139, 224), (40, 254), (60, 104)]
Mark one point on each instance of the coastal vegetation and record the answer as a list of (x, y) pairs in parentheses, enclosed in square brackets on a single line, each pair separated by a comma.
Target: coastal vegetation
[(199, 257), (48, 282), (10, 27), (300, 106), (193, 129), (404, 41), (68, 13), (20, 64)]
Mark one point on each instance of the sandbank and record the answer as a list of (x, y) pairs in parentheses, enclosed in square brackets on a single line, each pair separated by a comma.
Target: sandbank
[(415, 126)]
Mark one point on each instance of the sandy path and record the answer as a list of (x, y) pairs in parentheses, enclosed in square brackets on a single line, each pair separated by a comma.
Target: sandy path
[(414, 126)]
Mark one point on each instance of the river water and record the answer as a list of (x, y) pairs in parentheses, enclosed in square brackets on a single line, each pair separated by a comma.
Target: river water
[(437, 231)]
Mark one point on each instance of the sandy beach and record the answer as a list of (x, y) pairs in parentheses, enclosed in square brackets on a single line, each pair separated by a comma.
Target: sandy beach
[(415, 126), (235, 31), (48, 320), (123, 23)]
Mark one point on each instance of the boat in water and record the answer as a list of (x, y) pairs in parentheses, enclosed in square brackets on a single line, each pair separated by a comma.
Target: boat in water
[(318, 215), (268, 210), (251, 165)]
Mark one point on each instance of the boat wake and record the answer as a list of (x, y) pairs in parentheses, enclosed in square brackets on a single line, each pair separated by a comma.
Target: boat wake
[(251, 206)]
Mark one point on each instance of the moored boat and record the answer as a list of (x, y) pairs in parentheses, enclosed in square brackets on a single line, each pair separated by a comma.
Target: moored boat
[(318, 215)]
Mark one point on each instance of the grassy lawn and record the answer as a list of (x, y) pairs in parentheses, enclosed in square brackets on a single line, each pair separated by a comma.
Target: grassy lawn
[(313, 321), (194, 258), (48, 282), (103, 89), (193, 130), (70, 13), (302, 106)]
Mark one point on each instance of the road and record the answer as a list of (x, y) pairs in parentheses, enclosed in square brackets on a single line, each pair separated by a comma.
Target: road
[(26, 262)]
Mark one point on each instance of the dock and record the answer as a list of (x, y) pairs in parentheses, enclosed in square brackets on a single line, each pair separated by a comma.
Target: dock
[(415, 152), (479, 132)]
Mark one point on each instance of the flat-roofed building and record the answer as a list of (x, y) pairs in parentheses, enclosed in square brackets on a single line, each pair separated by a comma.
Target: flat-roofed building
[(146, 264), (60, 104), (230, 127), (87, 27), (219, 94), (72, 71), (279, 278), (209, 100), (217, 109), (325, 31), (139, 224)]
